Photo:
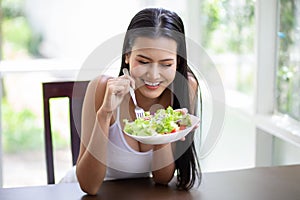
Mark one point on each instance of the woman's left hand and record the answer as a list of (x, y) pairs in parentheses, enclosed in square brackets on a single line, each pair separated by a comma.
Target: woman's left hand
[(185, 111)]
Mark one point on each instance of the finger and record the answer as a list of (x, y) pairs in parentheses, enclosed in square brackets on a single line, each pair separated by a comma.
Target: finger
[(132, 81), (182, 139), (126, 84), (182, 110), (118, 90), (120, 81), (196, 126)]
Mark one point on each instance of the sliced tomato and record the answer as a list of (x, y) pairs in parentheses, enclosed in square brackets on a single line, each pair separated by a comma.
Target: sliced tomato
[(173, 131), (182, 127)]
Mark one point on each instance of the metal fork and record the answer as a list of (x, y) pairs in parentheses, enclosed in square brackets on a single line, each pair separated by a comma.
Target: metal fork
[(139, 112)]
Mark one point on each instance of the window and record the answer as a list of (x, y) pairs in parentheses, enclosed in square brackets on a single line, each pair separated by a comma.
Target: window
[(277, 133), (288, 66), (228, 35)]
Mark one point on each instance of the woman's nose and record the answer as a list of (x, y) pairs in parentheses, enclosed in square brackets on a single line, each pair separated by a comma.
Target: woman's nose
[(153, 71)]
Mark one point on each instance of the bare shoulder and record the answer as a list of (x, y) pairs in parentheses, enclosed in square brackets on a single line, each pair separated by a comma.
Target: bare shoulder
[(98, 85), (192, 81), (193, 90), (96, 89)]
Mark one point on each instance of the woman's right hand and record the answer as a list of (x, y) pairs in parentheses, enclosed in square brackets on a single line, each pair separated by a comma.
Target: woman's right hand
[(116, 89)]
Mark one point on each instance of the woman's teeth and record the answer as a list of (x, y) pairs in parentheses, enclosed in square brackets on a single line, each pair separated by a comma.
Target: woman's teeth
[(151, 84)]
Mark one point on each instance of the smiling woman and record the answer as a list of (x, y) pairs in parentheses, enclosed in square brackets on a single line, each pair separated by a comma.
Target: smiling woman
[(154, 51)]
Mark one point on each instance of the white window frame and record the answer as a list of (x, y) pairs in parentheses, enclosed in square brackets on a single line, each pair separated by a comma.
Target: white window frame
[(269, 124)]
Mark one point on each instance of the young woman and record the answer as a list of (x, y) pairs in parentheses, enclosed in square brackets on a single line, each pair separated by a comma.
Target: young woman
[(154, 52)]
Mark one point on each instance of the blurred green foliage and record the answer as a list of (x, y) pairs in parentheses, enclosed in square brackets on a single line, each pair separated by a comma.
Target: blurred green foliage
[(12, 8), (231, 21), (16, 29), (12, 29), (288, 76), (211, 12), (229, 29), (22, 132), (19, 130)]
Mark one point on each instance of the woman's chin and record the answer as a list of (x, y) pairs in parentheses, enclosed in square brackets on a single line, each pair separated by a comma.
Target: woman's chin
[(151, 92)]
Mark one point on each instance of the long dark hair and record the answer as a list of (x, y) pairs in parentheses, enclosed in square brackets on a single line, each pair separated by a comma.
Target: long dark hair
[(154, 23)]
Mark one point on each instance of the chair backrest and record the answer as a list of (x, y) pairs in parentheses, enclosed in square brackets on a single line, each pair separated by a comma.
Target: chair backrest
[(75, 91)]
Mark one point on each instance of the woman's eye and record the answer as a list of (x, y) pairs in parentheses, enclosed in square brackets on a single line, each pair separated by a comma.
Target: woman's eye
[(143, 62), (167, 65)]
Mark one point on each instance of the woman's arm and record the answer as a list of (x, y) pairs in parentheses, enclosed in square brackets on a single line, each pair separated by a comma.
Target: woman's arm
[(94, 133), (163, 163), (102, 98)]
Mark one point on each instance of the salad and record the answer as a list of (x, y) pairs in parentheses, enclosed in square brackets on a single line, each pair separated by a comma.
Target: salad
[(164, 121)]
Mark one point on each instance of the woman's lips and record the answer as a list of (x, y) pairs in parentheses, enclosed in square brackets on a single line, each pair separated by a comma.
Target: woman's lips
[(152, 85)]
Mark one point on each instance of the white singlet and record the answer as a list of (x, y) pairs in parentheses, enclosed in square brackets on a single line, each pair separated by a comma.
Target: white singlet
[(122, 160)]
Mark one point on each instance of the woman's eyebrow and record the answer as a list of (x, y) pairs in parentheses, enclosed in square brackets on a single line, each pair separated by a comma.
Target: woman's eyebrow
[(145, 57), (139, 55)]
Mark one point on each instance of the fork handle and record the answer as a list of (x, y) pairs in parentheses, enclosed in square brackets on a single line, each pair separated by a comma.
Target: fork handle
[(132, 94)]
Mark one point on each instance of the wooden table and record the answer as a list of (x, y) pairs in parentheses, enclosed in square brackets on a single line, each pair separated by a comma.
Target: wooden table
[(266, 183)]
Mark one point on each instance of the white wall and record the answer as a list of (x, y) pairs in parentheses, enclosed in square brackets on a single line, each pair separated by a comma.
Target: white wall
[(73, 28), (285, 153)]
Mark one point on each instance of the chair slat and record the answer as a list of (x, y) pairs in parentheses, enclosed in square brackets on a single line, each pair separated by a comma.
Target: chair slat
[(75, 91)]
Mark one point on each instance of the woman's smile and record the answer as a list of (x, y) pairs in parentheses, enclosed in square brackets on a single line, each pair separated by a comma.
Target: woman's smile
[(152, 85)]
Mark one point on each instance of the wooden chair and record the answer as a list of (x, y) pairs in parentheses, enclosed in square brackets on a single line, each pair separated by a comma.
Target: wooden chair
[(75, 91)]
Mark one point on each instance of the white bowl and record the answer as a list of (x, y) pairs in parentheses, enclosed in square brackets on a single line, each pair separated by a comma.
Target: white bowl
[(166, 138)]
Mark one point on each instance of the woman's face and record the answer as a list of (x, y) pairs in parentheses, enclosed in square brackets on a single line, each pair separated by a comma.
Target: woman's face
[(153, 64)]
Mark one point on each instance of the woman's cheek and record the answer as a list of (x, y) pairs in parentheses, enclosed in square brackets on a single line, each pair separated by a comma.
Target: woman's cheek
[(138, 70), (170, 72)]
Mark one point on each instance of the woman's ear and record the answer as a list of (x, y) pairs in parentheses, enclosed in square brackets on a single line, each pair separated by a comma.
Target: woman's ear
[(127, 56)]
